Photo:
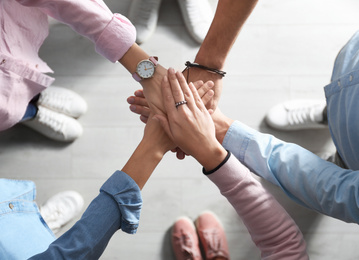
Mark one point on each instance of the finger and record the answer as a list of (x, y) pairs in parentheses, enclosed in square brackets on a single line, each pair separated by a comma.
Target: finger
[(140, 110), (175, 86), (139, 93), (204, 88), (208, 97), (167, 96), (180, 154), (186, 90), (197, 98), (144, 119), (139, 101), (198, 84)]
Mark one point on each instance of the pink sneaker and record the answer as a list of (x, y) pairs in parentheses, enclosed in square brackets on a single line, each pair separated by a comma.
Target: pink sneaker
[(185, 242), (212, 237)]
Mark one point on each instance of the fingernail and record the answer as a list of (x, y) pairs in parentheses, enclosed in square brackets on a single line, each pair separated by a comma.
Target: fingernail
[(133, 108), (130, 100), (171, 71), (165, 79)]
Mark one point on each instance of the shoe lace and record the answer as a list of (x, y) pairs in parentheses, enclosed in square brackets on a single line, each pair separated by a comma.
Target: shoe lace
[(214, 244), (185, 241), (302, 115)]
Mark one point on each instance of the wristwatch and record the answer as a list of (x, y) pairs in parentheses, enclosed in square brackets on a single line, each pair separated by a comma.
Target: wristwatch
[(145, 69)]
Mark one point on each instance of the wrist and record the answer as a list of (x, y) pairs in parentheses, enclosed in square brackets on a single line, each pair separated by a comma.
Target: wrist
[(154, 148), (222, 124), (209, 60), (212, 157), (132, 57)]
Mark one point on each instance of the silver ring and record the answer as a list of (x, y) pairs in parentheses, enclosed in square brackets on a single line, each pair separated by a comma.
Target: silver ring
[(180, 103)]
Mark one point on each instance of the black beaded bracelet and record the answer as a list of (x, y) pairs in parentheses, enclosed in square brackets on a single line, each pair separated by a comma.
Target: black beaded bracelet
[(196, 65)]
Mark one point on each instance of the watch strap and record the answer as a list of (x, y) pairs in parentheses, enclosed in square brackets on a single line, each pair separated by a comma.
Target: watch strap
[(136, 77), (154, 60)]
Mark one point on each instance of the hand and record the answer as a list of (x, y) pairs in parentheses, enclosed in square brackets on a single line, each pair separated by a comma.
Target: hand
[(156, 136), (152, 90), (195, 74), (139, 105), (190, 126), (222, 124)]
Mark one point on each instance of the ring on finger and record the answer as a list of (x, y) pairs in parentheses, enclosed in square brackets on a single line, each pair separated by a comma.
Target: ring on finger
[(180, 103)]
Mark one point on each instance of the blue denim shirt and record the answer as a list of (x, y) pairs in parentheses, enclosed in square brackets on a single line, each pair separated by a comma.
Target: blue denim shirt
[(302, 175), (342, 96), (117, 206)]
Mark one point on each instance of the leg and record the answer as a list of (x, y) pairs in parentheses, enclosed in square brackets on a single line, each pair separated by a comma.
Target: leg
[(30, 113)]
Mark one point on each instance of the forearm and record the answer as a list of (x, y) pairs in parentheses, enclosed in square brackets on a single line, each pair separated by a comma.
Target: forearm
[(143, 161), (88, 238), (229, 18), (116, 207), (303, 176), (271, 228)]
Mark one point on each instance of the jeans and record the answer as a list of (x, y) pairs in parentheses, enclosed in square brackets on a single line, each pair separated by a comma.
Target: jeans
[(31, 109)]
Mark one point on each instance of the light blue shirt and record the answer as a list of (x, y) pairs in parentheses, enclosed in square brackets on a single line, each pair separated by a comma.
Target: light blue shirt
[(343, 103), (302, 175)]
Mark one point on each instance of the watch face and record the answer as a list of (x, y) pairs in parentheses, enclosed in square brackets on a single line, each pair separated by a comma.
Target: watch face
[(145, 69)]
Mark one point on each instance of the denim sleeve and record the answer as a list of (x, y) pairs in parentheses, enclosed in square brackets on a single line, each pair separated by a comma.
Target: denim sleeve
[(303, 176), (116, 207)]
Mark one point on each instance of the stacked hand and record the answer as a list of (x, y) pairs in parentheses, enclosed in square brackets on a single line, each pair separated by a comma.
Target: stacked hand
[(188, 125), (195, 74), (140, 104)]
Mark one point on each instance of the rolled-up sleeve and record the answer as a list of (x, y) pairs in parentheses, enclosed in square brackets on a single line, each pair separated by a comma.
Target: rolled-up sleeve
[(112, 34), (117, 207)]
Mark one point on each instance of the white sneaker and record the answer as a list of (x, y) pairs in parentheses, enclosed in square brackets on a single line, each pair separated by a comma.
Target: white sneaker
[(61, 208), (63, 100), (54, 125), (144, 16), (197, 16), (297, 115)]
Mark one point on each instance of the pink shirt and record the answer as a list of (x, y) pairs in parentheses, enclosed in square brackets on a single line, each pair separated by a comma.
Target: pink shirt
[(271, 228), (24, 27)]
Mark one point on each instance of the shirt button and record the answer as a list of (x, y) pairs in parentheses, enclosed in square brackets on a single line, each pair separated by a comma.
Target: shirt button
[(338, 83), (11, 206), (350, 77), (2, 62), (37, 66)]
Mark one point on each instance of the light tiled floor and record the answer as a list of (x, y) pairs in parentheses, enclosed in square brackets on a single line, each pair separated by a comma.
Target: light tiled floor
[(285, 51)]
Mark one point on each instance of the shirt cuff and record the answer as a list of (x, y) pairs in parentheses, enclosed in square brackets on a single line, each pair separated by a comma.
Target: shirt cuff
[(219, 166), (116, 39), (237, 139), (124, 190)]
